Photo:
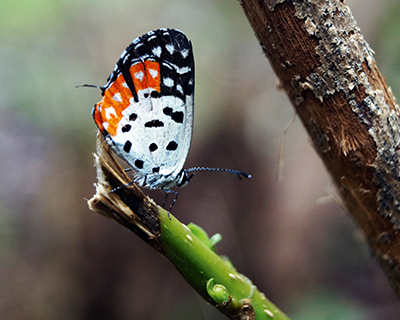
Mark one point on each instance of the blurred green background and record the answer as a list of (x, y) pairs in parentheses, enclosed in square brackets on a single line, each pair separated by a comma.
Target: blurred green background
[(61, 261)]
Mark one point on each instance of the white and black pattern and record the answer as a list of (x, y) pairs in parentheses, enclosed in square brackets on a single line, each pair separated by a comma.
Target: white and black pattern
[(146, 114)]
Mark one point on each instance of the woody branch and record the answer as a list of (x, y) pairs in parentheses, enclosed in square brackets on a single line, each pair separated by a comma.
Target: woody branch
[(329, 73)]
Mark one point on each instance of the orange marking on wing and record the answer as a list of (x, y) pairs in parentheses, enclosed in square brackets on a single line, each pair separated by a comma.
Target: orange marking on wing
[(108, 111), (146, 76), (153, 74), (97, 116)]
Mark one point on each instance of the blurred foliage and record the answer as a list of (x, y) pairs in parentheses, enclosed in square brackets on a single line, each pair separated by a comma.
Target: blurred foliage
[(322, 304), (387, 45)]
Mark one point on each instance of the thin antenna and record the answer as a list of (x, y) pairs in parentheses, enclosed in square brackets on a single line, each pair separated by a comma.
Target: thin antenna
[(92, 86), (239, 174)]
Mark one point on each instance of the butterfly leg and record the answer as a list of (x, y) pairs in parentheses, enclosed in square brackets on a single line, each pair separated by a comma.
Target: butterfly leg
[(125, 185), (165, 199), (173, 201), (167, 192)]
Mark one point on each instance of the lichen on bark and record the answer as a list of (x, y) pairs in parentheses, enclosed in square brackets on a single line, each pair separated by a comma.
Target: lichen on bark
[(328, 71)]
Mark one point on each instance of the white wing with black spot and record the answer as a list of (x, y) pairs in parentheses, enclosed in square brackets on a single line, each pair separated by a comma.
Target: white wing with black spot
[(146, 113)]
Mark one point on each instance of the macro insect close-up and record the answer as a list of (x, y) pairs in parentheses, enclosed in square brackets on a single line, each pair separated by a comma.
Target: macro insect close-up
[(278, 118), (146, 114)]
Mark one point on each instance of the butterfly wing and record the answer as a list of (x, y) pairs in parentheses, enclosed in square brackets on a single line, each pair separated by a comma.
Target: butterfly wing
[(146, 113)]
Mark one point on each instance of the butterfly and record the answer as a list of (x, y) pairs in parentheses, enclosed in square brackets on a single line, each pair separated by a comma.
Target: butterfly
[(146, 113)]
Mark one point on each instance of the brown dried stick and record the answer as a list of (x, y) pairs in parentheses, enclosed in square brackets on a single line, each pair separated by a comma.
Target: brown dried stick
[(209, 274), (328, 71)]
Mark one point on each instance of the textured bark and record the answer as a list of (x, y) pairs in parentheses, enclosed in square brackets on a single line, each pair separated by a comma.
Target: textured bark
[(328, 71), (127, 206)]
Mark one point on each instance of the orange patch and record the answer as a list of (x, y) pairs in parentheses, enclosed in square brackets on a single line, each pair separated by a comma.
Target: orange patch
[(108, 112), (109, 109), (97, 116), (146, 76)]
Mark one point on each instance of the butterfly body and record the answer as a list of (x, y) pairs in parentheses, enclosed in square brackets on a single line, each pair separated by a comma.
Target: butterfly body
[(146, 114)]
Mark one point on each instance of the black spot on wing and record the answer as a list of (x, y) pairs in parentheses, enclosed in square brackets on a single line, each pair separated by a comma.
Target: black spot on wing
[(172, 146), (132, 116), (139, 164), (175, 116), (154, 124), (127, 146), (156, 169), (167, 111), (126, 128), (155, 94), (153, 147)]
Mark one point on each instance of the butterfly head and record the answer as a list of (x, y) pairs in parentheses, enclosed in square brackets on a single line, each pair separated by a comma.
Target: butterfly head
[(183, 178)]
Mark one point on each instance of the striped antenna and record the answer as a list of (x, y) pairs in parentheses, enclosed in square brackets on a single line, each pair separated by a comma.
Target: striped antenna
[(239, 174)]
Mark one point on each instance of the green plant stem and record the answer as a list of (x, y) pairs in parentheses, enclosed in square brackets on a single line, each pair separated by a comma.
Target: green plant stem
[(211, 276), (197, 263)]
